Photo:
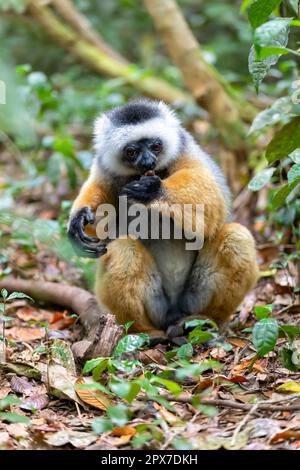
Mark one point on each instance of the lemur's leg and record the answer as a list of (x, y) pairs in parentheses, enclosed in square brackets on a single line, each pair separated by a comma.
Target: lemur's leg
[(129, 284), (224, 271)]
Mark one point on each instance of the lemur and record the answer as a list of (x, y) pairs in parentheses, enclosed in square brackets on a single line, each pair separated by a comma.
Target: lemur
[(143, 152)]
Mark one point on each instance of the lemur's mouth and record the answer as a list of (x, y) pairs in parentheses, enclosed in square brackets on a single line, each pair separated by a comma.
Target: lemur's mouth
[(149, 173)]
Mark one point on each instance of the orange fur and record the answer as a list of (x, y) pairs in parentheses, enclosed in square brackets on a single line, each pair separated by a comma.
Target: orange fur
[(124, 273), (122, 281)]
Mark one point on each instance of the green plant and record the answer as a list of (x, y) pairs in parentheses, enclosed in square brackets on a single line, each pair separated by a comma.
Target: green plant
[(266, 332), (3, 317)]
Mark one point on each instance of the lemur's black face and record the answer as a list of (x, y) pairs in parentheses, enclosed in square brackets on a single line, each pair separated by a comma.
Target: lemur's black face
[(142, 154)]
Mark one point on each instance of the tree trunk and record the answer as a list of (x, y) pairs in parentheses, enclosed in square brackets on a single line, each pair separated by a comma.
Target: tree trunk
[(226, 110), (81, 24), (100, 61)]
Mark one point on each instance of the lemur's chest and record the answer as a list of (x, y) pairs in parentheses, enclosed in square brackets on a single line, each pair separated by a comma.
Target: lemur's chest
[(173, 262)]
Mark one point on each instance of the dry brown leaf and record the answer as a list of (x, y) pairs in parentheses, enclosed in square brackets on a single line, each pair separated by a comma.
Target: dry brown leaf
[(152, 355), (21, 384), (23, 333), (35, 402), (238, 342), (28, 313), (124, 431), (165, 414), (257, 367), (4, 391), (285, 435), (95, 398), (17, 430)]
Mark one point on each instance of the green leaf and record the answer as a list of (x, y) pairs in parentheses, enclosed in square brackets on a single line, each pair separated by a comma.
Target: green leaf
[(173, 387), (294, 173), (260, 10), (259, 68), (262, 311), (4, 293), (126, 365), (274, 33), (285, 141), (245, 5), (261, 179), (126, 390), (264, 335), (198, 336), (295, 156), (100, 425), (185, 351), (287, 355), (6, 318), (272, 115), (290, 330), (127, 325), (14, 418), (131, 343), (100, 368), (92, 363), (118, 414), (282, 194), (19, 295), (10, 400)]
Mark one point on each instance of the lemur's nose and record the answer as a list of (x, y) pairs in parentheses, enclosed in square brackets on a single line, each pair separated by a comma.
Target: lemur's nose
[(147, 161)]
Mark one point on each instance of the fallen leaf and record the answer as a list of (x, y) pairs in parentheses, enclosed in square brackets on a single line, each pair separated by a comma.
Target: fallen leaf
[(257, 367), (62, 321), (61, 381), (28, 313), (165, 414), (289, 387), (95, 398), (23, 369), (35, 402), (4, 391), (218, 353), (238, 342), (4, 439), (24, 333), (152, 355), (78, 439), (17, 430), (285, 435), (124, 431), (262, 427), (20, 384), (61, 353)]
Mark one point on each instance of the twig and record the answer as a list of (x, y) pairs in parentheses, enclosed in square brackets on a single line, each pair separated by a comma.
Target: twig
[(243, 422), (179, 431), (263, 405)]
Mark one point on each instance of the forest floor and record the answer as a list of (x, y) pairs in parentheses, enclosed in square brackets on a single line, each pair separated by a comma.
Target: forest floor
[(249, 402)]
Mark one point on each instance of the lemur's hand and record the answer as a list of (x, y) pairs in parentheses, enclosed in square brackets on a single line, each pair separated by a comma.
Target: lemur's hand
[(145, 189), (85, 246)]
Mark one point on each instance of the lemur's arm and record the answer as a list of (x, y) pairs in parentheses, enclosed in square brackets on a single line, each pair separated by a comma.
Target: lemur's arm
[(93, 193), (190, 182)]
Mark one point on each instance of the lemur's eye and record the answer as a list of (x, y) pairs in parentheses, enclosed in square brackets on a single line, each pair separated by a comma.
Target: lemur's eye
[(156, 147), (131, 152)]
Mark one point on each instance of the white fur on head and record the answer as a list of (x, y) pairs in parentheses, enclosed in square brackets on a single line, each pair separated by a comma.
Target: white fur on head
[(109, 139)]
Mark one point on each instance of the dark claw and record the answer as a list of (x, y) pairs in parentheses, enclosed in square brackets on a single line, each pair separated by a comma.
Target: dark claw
[(89, 247), (145, 189)]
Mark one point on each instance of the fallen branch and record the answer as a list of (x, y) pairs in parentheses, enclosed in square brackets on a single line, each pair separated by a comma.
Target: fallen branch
[(266, 406), (102, 331), (99, 60)]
